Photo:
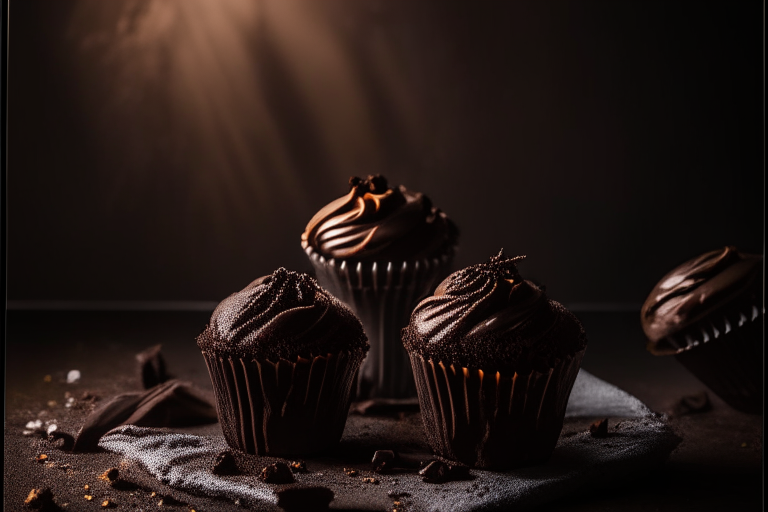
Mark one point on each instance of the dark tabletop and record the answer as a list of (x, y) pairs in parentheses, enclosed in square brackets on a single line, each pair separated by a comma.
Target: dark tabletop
[(717, 466)]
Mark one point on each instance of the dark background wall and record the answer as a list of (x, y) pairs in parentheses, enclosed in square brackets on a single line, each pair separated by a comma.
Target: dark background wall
[(174, 150)]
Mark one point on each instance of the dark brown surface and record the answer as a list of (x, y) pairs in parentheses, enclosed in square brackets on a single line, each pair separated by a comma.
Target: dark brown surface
[(716, 467)]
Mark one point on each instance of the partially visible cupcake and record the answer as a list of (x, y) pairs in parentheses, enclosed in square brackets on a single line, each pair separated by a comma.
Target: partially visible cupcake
[(282, 354), (380, 249), (495, 361), (709, 313)]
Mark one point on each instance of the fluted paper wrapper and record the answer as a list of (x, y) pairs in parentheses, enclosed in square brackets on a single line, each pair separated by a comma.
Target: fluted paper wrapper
[(283, 408), (731, 364), (490, 420), (382, 295)]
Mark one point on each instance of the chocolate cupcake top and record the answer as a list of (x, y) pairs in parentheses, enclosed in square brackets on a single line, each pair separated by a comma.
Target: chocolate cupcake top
[(717, 283), (487, 316), (376, 222), (283, 315)]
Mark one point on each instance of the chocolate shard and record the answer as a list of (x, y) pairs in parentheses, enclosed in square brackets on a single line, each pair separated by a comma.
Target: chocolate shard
[(171, 404), (437, 472), (225, 464), (152, 367), (277, 473), (304, 498), (599, 429), (692, 404)]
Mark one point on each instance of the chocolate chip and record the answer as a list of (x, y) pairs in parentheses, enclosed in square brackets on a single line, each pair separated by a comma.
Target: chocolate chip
[(277, 473), (304, 498), (599, 429), (225, 464)]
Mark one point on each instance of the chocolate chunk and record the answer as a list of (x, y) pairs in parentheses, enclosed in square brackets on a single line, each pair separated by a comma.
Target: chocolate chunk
[(225, 464), (41, 499), (304, 498), (437, 472), (171, 404), (111, 475), (61, 440), (384, 460), (277, 473), (599, 429), (152, 367), (693, 404)]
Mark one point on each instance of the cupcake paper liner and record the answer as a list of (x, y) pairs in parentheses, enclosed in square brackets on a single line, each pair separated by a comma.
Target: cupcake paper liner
[(490, 420), (729, 360), (286, 407), (382, 295)]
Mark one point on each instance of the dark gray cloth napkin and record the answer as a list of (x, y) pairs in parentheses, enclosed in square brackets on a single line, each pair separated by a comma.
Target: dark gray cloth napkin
[(638, 440)]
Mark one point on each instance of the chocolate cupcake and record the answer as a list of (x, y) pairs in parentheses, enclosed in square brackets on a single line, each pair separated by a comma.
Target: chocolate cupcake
[(494, 361), (282, 355), (709, 314), (380, 249)]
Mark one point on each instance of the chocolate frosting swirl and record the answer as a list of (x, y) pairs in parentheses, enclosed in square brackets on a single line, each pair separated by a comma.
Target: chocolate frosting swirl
[(375, 222), (487, 316), (282, 315), (708, 284)]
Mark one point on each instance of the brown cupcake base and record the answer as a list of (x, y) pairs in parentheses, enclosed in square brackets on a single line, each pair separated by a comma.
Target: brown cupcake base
[(283, 408), (490, 420), (382, 294)]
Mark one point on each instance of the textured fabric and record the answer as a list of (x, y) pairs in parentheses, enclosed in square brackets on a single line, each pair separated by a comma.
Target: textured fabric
[(637, 441)]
